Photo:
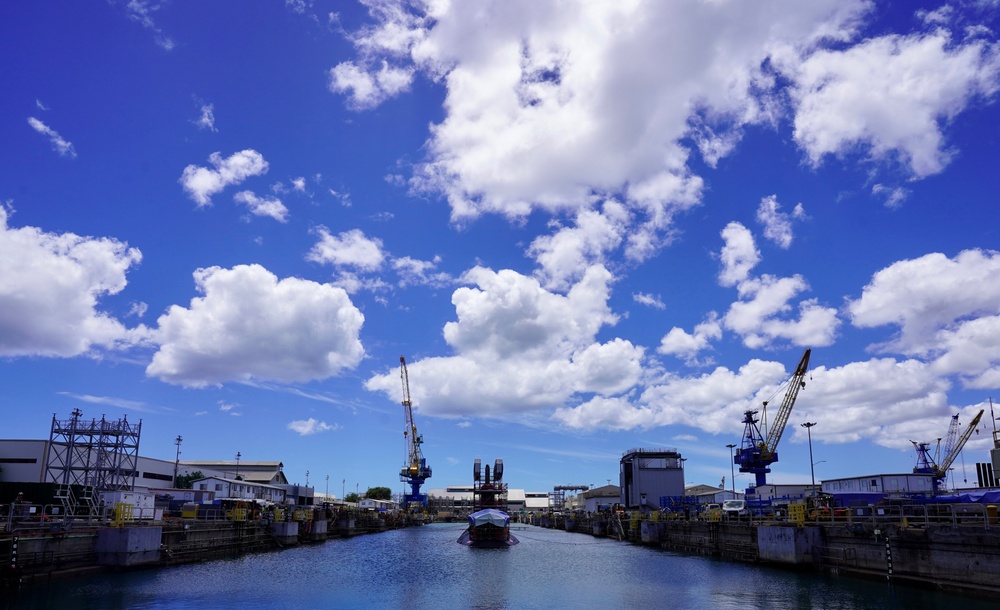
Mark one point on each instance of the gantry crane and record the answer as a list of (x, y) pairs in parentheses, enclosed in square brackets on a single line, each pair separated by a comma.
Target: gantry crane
[(416, 470), (759, 451), (928, 465)]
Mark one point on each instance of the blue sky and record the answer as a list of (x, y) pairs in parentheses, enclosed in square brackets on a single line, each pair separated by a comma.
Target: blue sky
[(587, 226)]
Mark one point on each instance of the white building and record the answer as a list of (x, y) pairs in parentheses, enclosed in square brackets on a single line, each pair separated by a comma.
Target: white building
[(241, 490), (890, 485)]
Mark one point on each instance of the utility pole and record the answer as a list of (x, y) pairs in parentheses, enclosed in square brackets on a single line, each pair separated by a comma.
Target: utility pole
[(327, 488), (307, 478), (177, 460), (732, 469)]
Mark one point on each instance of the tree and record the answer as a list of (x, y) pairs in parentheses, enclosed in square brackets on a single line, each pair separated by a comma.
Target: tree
[(379, 493), (352, 497), (184, 480)]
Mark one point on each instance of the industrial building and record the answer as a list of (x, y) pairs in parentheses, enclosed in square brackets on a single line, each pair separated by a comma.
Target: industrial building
[(648, 474), (458, 500)]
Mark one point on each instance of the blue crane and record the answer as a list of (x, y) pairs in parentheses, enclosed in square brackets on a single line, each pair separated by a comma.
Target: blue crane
[(416, 470), (759, 451), (953, 446)]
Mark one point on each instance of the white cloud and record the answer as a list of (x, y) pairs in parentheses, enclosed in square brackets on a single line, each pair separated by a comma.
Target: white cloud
[(263, 206), (649, 300), (679, 343), (369, 89), (142, 11), (946, 309), (201, 182), (520, 348), (207, 118), (713, 402), (739, 254), (59, 144), (305, 427), (758, 316), (414, 272), (890, 95), (777, 224), (565, 255), (535, 118), (251, 326), (40, 105), (348, 249), (50, 285), (299, 184), (894, 196)]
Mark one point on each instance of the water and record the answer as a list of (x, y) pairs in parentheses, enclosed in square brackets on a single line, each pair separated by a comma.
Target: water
[(423, 567)]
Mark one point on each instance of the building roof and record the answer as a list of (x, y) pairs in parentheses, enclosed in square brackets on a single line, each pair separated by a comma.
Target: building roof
[(604, 491)]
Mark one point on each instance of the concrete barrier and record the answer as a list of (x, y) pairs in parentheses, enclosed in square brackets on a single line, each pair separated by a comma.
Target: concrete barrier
[(794, 545)]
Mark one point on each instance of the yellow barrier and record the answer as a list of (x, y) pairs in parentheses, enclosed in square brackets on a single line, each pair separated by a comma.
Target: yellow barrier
[(122, 513), (797, 513)]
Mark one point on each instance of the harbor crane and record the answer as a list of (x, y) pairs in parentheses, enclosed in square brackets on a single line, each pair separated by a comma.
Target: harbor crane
[(758, 450), (952, 447), (416, 470)]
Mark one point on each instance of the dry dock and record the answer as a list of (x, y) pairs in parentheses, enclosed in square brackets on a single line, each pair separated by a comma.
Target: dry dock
[(951, 547), (41, 551)]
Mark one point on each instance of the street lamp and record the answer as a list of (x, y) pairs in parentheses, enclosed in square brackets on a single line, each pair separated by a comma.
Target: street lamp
[(327, 488), (732, 469), (307, 478), (812, 467), (237, 464)]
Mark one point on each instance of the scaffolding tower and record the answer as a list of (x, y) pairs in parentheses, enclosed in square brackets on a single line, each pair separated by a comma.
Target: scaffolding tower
[(100, 454)]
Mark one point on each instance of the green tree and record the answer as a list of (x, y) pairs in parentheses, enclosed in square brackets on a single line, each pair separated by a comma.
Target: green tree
[(184, 480), (379, 493), (352, 497)]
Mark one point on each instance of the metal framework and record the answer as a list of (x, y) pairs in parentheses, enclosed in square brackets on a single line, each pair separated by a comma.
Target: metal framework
[(557, 497), (101, 454), (416, 470), (758, 451)]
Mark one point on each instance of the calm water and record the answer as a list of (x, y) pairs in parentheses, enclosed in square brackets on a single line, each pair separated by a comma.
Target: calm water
[(423, 567)]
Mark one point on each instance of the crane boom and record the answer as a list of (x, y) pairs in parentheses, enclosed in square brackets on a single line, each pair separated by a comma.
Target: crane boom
[(951, 455), (797, 383)]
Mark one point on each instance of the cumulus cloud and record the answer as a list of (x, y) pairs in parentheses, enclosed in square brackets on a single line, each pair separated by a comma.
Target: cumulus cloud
[(739, 254), (415, 272), (50, 287), (946, 309), (306, 427), (202, 182), (686, 345), (59, 144), (890, 96), (520, 348), (534, 118), (263, 206), (649, 300), (777, 224), (713, 402), (760, 316), (368, 89), (564, 256), (249, 325), (348, 249)]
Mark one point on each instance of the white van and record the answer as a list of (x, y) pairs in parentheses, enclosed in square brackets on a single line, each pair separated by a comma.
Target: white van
[(735, 508)]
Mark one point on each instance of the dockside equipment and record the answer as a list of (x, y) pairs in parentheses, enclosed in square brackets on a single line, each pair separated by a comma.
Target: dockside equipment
[(953, 446), (416, 470), (758, 451)]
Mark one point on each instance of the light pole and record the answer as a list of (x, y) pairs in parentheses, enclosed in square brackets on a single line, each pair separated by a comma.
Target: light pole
[(732, 469), (237, 464), (812, 467), (327, 488), (177, 460), (307, 478)]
